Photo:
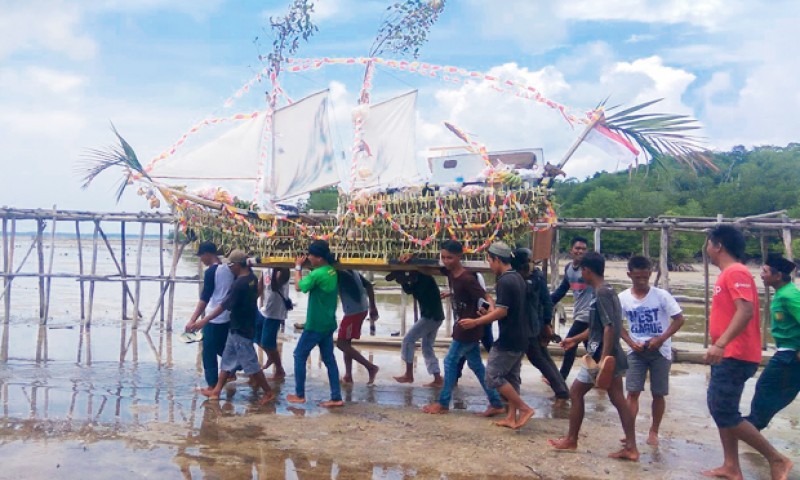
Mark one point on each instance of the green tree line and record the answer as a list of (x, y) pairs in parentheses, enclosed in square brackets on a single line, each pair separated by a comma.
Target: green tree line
[(749, 182)]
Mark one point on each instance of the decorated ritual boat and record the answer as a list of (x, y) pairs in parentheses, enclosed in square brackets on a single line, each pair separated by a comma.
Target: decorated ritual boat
[(237, 188)]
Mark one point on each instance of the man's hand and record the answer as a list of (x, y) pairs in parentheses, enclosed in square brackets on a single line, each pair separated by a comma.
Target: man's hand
[(373, 314), (655, 344), (636, 346), (568, 343), (189, 326), (300, 260), (405, 258), (444, 295), (468, 323), (714, 355)]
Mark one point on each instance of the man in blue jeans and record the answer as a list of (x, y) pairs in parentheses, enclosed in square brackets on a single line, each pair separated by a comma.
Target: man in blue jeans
[(217, 281), (323, 291), (465, 294)]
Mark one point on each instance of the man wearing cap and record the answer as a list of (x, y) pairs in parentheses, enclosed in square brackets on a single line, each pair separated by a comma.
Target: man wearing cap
[(321, 285), (242, 305), (217, 280), (779, 383), (511, 312)]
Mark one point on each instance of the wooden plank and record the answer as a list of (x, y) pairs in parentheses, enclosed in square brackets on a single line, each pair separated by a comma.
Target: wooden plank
[(597, 231), (138, 295), (765, 316), (49, 278), (663, 259), (94, 272), (80, 267), (40, 255)]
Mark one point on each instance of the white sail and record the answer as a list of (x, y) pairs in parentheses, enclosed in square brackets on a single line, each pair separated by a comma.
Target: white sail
[(303, 156), (387, 154), (229, 161)]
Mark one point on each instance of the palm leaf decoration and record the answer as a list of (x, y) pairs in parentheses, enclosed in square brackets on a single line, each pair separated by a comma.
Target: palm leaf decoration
[(97, 161), (660, 135), (405, 27)]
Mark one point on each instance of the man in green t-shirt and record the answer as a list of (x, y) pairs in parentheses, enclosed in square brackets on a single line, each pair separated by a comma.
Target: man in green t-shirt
[(779, 383), (321, 285)]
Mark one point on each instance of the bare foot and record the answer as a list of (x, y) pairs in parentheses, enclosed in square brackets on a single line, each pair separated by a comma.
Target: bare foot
[(724, 472), (436, 383), (295, 399), (210, 393), (404, 379), (524, 416), (652, 438), (268, 397), (506, 422), (563, 444), (780, 469), (435, 409), (278, 376), (331, 403), (491, 411), (626, 454), (372, 374), (347, 380)]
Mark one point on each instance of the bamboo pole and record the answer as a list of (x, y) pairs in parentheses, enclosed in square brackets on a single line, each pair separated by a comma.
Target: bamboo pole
[(123, 268), (12, 276), (554, 271), (597, 231), (646, 244), (164, 289), (40, 256), (706, 303), (175, 259), (161, 265), (663, 259), (80, 267), (765, 320), (6, 268), (137, 297), (50, 268), (94, 272), (122, 273), (577, 143)]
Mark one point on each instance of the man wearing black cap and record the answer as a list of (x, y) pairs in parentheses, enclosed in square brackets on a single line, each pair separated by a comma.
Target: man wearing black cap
[(779, 383), (217, 280)]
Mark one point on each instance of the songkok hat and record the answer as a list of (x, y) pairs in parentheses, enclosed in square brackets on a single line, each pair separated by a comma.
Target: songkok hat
[(783, 265)]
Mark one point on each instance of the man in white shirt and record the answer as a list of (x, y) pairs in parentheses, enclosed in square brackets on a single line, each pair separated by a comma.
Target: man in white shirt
[(653, 317)]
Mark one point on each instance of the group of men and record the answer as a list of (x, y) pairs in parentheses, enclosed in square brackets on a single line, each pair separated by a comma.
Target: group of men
[(522, 307)]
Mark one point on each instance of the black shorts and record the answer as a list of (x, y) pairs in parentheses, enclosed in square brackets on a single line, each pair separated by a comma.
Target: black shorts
[(725, 390)]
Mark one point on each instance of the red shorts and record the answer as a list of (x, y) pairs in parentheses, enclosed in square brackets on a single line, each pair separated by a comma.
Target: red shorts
[(350, 327)]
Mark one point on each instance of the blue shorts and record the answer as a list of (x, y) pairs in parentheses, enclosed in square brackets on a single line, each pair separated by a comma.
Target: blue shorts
[(269, 334), (725, 390), (239, 353)]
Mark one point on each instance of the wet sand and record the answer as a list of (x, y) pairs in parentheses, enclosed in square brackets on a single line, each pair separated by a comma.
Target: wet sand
[(141, 418)]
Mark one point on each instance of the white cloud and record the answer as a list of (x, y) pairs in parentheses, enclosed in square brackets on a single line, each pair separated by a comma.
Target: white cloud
[(52, 25), (704, 13)]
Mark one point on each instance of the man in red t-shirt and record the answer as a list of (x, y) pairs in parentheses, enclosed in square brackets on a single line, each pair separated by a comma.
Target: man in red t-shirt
[(734, 354)]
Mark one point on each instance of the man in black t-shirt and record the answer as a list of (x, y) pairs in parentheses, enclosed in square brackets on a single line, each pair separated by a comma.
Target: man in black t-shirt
[(465, 294), (242, 303), (426, 292), (511, 312)]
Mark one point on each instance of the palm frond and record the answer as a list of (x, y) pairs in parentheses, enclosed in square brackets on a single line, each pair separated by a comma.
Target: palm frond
[(661, 135), (97, 161)]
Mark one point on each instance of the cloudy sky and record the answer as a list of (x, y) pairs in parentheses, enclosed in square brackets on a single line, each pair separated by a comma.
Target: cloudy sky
[(156, 67)]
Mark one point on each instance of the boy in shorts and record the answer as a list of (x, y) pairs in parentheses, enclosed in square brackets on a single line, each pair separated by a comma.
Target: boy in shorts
[(242, 302), (653, 318), (605, 326), (358, 299)]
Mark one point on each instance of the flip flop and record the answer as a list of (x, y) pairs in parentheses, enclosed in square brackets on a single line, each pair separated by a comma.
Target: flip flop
[(606, 374), (191, 337)]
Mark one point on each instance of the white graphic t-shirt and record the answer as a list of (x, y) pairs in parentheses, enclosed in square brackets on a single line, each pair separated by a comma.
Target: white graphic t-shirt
[(650, 317)]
